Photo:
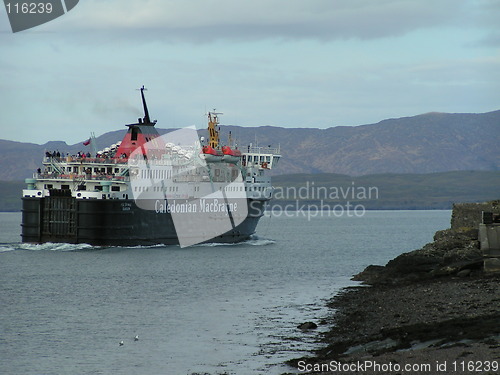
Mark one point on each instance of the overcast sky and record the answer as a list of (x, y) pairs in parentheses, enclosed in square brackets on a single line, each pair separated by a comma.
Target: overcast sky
[(290, 63)]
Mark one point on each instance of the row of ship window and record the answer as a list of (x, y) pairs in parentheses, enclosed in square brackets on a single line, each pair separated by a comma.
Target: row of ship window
[(84, 170), (257, 158), (197, 188), (155, 173), (155, 188), (240, 188), (79, 187), (166, 174)]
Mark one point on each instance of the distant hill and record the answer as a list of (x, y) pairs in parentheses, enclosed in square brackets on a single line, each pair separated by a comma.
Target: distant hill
[(10, 195), (428, 143), (388, 191), (379, 191), (434, 142)]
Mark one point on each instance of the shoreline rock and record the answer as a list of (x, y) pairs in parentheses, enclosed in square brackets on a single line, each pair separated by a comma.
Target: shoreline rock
[(444, 319), (451, 252), (307, 326), (431, 306)]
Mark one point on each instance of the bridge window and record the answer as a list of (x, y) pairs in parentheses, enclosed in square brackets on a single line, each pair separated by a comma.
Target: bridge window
[(135, 131)]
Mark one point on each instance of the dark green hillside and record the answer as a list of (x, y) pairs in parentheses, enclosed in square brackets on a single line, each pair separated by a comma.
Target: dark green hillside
[(10, 195), (391, 191)]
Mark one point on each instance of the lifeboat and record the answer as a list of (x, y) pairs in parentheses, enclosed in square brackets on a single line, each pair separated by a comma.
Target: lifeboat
[(230, 155), (211, 155)]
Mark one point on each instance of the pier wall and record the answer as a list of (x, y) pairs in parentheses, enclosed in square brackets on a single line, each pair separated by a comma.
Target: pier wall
[(469, 215)]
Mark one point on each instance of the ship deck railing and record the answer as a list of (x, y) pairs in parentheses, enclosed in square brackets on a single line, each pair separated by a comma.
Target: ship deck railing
[(260, 150), (80, 177), (83, 160)]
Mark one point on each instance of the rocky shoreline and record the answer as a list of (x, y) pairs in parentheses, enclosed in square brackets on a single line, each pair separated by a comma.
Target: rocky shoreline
[(429, 311)]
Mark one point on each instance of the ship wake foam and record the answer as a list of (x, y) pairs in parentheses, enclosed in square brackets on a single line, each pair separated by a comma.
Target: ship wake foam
[(50, 246), (254, 241), (6, 247)]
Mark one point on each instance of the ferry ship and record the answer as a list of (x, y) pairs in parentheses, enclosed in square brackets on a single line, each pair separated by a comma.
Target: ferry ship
[(147, 189)]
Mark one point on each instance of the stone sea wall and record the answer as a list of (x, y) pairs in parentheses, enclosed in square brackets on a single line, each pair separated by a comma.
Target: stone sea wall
[(469, 215)]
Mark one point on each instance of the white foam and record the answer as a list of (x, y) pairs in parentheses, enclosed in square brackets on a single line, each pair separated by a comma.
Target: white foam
[(260, 242), (141, 246), (254, 241), (51, 246), (5, 248)]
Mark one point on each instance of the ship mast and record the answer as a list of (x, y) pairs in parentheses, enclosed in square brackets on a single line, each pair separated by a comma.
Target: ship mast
[(213, 121), (147, 120)]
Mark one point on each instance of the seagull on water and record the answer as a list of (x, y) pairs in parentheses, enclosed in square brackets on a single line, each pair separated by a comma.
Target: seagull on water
[(136, 338)]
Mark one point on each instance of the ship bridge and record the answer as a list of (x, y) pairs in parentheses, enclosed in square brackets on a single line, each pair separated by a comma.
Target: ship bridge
[(261, 157)]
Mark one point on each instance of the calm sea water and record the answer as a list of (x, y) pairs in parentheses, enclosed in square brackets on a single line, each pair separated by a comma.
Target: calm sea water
[(218, 309)]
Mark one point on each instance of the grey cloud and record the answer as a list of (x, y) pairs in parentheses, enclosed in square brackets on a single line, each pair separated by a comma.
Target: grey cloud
[(491, 40), (205, 21)]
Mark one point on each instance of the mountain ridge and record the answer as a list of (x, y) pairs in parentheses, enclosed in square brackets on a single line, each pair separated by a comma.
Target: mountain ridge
[(426, 143)]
